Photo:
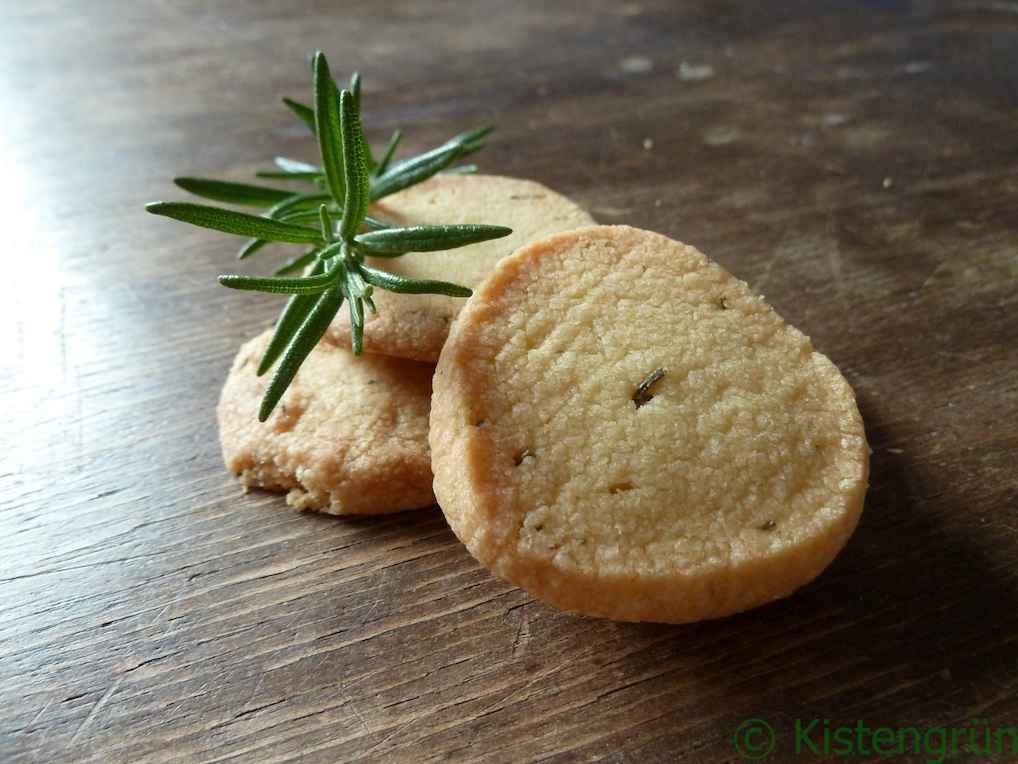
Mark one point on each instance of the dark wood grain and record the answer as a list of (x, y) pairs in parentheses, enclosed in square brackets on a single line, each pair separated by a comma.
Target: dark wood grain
[(857, 162)]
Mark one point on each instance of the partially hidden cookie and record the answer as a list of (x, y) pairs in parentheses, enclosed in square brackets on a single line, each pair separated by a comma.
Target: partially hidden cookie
[(620, 427), (415, 326), (349, 436)]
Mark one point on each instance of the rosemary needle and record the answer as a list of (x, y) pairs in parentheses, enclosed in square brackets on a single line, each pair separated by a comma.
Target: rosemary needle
[(332, 223)]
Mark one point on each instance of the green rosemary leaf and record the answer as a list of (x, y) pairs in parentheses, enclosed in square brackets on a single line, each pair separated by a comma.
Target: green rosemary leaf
[(325, 221), (233, 193), (356, 283), (310, 331), (463, 169), (305, 285), (355, 91), (252, 246), (296, 311), (402, 285), (355, 163), (357, 292), (423, 166), (240, 223), (356, 326), (298, 203), (383, 164), (470, 140), (391, 242), (329, 129), (304, 113), (411, 171), (336, 249), (298, 263), (291, 169), (296, 167), (306, 177), (375, 224), (309, 215)]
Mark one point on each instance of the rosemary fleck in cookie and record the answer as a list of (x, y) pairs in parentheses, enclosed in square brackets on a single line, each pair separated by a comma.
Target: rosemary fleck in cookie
[(416, 325), (620, 427), (350, 435)]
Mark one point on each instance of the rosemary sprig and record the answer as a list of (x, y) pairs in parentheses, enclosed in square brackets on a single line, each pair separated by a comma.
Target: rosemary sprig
[(384, 178), (333, 224)]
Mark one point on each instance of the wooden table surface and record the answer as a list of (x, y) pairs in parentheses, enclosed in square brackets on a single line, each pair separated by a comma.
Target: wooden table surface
[(856, 161)]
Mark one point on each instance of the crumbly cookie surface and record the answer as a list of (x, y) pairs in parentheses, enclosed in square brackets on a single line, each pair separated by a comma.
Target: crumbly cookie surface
[(415, 326), (350, 435), (734, 477)]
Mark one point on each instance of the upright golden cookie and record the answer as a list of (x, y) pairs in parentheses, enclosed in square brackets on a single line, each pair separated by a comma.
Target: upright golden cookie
[(350, 435), (620, 427), (415, 326)]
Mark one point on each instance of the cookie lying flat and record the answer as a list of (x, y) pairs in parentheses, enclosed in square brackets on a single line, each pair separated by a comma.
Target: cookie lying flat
[(415, 326), (349, 436), (622, 428)]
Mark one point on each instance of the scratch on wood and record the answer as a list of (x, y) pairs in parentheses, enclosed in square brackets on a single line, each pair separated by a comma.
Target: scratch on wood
[(776, 255), (388, 738), (93, 712), (349, 704), (522, 638), (35, 719)]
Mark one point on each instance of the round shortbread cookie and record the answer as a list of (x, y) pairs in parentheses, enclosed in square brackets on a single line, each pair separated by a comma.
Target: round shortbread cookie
[(415, 326), (622, 428), (349, 436)]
